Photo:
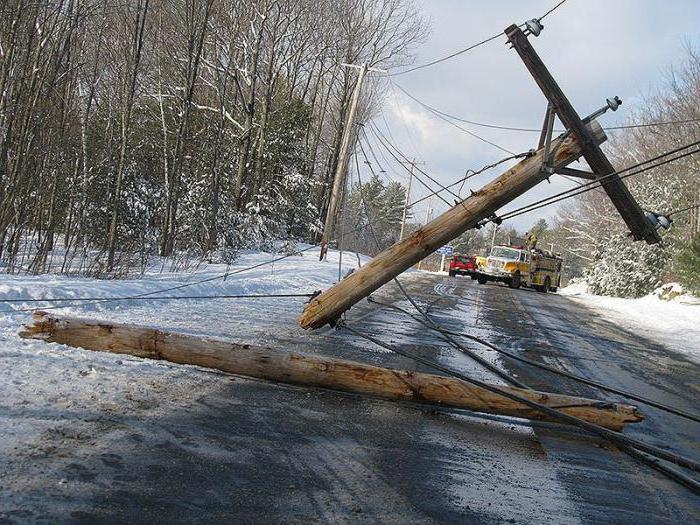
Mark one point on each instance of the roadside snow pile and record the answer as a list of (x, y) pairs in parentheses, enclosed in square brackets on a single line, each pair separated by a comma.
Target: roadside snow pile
[(669, 315), (298, 273), (49, 391)]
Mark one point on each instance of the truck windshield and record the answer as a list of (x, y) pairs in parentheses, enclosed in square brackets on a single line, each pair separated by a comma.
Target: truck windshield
[(505, 253)]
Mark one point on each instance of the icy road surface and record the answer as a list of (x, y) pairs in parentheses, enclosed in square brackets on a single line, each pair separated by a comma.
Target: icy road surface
[(88, 436)]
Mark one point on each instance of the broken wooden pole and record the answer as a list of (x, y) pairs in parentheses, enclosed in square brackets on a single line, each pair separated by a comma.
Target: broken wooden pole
[(328, 306), (613, 185), (316, 371)]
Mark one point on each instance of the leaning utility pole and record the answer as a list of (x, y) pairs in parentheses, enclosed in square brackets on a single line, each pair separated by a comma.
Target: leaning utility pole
[(582, 138), (327, 307), (342, 166), (343, 157), (620, 196)]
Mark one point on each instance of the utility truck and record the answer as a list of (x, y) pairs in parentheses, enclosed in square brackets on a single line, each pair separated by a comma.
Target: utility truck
[(521, 265)]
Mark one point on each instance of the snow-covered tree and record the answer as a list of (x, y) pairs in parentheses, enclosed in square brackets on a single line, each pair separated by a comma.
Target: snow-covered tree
[(592, 227)]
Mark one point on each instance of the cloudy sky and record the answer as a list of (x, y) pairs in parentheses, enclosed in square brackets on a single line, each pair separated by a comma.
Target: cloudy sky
[(594, 48)]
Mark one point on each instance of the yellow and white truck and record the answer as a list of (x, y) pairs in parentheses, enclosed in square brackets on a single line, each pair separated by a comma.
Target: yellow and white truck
[(519, 266)]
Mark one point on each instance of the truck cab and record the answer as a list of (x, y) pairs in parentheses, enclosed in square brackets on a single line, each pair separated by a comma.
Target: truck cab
[(520, 266)]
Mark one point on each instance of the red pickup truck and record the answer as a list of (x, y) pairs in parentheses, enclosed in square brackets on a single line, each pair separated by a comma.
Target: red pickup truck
[(463, 265)]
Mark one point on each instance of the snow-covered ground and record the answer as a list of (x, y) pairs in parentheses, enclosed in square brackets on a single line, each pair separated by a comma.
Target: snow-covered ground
[(58, 402), (301, 273), (34, 372), (674, 323), (25, 363), (52, 393)]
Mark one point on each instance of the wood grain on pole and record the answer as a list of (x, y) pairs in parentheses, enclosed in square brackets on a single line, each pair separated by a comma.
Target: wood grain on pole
[(328, 306), (315, 371)]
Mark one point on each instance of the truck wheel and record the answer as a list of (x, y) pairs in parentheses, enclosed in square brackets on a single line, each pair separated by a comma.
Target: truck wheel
[(515, 281), (481, 279), (452, 274), (546, 285), (473, 277)]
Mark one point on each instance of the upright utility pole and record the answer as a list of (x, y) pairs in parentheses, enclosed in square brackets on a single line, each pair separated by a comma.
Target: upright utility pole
[(408, 199), (428, 215), (342, 166), (413, 165)]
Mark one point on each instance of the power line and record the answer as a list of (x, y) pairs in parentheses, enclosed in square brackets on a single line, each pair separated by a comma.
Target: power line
[(439, 115), (654, 124), (167, 298), (567, 194), (412, 140), (534, 130), (692, 207), (78, 302), (448, 57), (453, 117), (157, 298), (379, 164), (615, 437), (469, 48), (388, 146), (434, 326), (474, 356), (551, 11), (525, 209), (649, 460), (582, 188), (386, 160), (472, 173), (380, 135)]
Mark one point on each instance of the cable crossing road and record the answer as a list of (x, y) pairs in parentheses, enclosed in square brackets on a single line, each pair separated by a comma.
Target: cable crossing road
[(196, 446)]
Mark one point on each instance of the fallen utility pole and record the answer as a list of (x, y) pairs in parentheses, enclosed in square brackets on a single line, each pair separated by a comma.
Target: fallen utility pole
[(312, 370), (621, 197), (327, 307)]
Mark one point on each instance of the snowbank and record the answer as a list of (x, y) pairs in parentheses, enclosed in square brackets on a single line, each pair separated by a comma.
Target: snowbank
[(674, 322)]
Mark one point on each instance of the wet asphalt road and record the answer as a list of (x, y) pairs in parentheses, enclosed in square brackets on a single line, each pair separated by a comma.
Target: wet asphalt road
[(256, 452), (560, 332)]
